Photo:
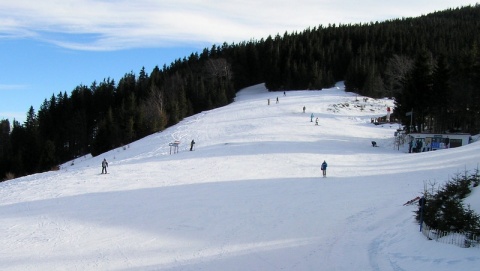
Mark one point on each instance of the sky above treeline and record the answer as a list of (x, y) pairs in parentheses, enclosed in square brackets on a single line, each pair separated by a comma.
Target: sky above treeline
[(50, 46)]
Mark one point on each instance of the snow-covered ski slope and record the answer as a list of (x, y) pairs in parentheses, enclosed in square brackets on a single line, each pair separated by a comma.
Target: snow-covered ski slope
[(249, 197)]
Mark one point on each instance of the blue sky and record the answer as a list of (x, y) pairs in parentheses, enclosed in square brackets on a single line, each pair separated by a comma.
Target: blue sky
[(52, 46)]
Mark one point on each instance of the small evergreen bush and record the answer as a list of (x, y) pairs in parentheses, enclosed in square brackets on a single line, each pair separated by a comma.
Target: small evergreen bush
[(444, 209)]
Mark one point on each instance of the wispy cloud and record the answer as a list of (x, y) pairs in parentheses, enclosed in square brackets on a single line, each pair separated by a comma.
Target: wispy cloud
[(112, 25), (7, 87)]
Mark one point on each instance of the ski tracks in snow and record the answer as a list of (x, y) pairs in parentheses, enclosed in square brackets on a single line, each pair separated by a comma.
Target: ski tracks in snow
[(380, 256), (355, 233)]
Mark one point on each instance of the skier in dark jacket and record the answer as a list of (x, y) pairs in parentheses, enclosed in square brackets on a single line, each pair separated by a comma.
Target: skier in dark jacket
[(421, 202), (324, 168), (191, 145), (104, 166)]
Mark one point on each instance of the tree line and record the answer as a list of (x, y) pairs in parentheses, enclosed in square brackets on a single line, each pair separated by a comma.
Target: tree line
[(430, 64)]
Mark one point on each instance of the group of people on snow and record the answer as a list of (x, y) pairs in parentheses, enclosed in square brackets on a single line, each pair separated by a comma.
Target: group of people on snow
[(105, 163), (311, 117), (192, 144), (420, 145), (324, 164), (323, 167)]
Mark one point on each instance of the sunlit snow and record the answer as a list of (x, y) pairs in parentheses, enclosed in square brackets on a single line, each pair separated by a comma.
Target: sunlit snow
[(249, 197)]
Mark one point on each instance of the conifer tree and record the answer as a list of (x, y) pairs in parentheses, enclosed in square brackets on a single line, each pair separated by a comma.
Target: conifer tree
[(441, 95)]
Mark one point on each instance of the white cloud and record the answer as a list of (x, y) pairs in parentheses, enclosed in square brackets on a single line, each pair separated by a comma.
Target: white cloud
[(124, 24), (7, 87)]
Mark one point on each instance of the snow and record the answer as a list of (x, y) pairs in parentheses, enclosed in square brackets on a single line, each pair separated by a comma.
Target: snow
[(249, 197)]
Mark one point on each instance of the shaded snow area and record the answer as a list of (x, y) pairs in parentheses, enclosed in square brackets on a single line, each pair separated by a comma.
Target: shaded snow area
[(250, 196)]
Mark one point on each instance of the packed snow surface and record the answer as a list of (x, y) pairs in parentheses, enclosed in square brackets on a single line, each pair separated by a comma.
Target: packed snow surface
[(250, 196)]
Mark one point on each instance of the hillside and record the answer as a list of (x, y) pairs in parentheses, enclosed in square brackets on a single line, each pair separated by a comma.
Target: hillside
[(249, 197), (409, 59)]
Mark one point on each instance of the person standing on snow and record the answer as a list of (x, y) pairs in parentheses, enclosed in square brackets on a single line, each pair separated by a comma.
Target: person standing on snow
[(428, 146), (324, 168), (420, 146), (311, 117), (304, 109), (316, 121), (104, 166), (191, 145)]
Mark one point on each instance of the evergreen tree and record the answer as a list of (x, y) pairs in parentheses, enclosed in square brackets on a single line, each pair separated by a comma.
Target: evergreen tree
[(31, 146), (441, 95), (18, 138), (417, 91), (48, 156), (5, 148)]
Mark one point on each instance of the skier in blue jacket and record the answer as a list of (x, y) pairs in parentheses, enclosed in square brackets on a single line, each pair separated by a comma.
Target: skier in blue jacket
[(324, 168)]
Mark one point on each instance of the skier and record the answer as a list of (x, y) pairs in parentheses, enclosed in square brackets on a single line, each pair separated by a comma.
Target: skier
[(421, 206), (304, 109), (419, 146), (104, 166), (428, 146), (277, 100), (191, 145), (324, 168), (311, 117), (316, 121), (421, 203)]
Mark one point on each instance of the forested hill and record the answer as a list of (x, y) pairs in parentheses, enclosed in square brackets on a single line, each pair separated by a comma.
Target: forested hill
[(430, 64)]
